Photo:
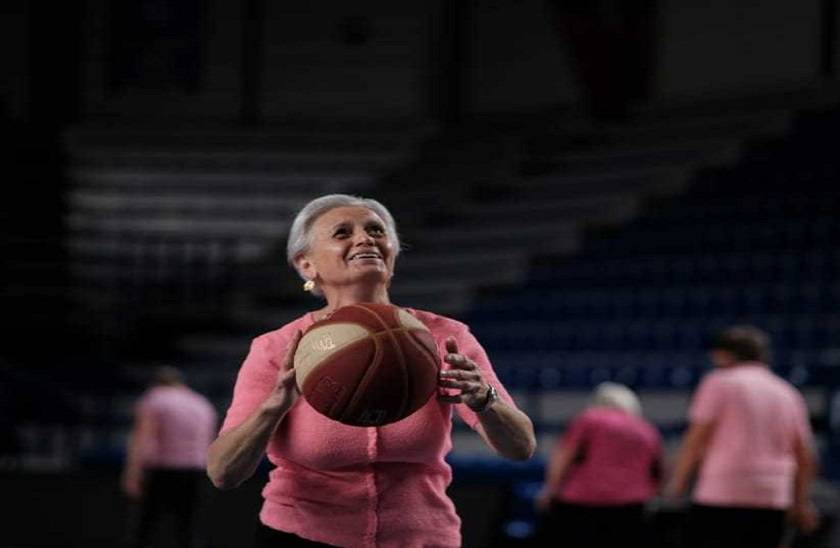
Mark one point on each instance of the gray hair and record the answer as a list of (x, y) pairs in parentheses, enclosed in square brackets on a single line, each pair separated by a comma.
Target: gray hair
[(611, 394), (300, 235)]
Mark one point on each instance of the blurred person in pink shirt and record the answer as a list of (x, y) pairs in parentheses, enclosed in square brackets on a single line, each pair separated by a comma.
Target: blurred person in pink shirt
[(750, 439), (602, 472), (166, 456), (339, 485)]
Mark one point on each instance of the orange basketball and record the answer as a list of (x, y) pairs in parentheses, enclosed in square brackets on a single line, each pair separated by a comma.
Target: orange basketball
[(367, 365)]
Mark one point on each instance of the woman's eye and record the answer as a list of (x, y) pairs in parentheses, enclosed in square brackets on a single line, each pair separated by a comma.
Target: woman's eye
[(341, 232), (376, 231)]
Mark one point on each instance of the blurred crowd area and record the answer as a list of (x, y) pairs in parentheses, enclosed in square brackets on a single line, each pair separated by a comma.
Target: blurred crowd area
[(584, 236)]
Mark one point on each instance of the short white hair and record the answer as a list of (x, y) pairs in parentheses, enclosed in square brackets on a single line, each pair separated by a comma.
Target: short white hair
[(300, 235), (611, 394)]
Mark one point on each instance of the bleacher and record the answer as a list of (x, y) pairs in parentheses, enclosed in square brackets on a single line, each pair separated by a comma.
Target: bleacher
[(182, 209), (753, 243), (572, 266), (158, 226)]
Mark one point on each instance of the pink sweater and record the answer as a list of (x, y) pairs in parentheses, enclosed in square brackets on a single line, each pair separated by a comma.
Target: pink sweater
[(757, 419), (185, 425), (620, 455), (352, 486)]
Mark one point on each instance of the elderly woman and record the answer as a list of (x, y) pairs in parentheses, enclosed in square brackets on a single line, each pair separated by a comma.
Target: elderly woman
[(334, 484), (601, 474)]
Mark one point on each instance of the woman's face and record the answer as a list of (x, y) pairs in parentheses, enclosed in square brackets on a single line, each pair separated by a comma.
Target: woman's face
[(349, 245)]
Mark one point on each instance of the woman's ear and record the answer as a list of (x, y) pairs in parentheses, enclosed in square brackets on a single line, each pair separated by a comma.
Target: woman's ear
[(306, 267)]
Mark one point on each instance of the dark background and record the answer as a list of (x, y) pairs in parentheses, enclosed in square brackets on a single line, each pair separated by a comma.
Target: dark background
[(155, 150)]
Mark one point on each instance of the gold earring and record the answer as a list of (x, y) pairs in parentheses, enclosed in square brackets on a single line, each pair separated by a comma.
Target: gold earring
[(309, 285)]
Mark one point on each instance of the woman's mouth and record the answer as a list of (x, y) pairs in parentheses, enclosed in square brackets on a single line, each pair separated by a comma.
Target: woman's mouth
[(366, 255)]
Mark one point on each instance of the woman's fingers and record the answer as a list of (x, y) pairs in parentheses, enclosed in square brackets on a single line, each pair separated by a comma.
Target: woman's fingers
[(459, 362), (464, 376), (461, 374), (286, 378), (466, 387)]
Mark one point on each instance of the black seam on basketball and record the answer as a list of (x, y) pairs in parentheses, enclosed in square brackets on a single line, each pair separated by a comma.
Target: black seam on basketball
[(433, 355), (369, 311), (405, 376), (314, 328), (331, 411), (398, 349), (311, 381), (410, 330), (350, 411)]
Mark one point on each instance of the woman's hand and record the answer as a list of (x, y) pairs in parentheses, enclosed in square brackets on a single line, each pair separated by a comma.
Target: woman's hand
[(236, 454), (285, 392), (463, 375), (504, 428)]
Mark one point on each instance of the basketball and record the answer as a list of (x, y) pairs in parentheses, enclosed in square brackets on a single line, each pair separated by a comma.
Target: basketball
[(367, 365)]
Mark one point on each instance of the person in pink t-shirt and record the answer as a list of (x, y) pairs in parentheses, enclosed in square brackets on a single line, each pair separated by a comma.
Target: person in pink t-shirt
[(167, 454), (333, 484), (750, 438), (604, 469)]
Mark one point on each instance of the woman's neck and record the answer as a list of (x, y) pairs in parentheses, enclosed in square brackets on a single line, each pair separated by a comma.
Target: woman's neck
[(338, 297)]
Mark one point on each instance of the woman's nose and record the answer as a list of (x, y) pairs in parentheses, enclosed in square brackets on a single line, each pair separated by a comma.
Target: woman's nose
[(363, 238)]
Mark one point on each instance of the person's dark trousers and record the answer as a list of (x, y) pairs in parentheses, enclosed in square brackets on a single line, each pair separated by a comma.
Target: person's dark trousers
[(579, 526), (170, 491), (272, 538), (734, 527)]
